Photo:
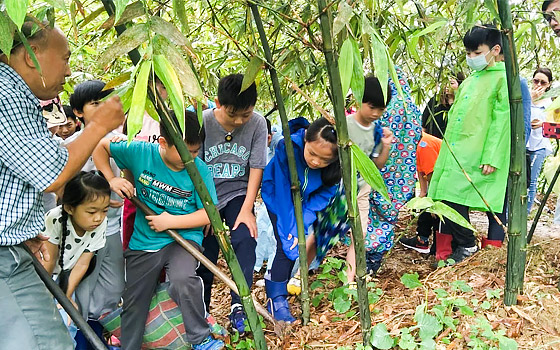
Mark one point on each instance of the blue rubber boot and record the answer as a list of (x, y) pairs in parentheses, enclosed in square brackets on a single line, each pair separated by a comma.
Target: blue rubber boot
[(277, 303)]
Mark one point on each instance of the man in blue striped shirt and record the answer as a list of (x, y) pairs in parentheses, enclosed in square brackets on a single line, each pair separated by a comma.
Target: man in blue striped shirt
[(32, 162)]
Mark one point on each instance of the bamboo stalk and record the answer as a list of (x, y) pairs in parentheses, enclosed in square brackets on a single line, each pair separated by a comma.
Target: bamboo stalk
[(543, 204), (296, 193), (346, 159), (517, 194), (213, 214)]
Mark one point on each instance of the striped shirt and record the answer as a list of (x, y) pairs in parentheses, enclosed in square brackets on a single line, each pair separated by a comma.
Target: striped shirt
[(30, 160)]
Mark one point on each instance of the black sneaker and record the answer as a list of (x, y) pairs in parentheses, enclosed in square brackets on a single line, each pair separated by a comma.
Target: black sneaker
[(461, 253), (238, 319), (416, 243), (373, 262)]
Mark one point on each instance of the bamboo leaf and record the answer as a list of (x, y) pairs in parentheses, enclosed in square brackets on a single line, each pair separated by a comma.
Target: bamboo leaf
[(132, 11), (168, 30), (358, 82), (165, 72), (420, 203), (138, 103), (250, 75), (345, 13), (431, 28), (354, 177), (93, 15), (120, 5), (346, 64), (7, 30), (380, 57), (443, 210), (493, 8), (554, 105), (189, 81), (199, 112), (30, 52), (151, 110), (17, 9), (118, 80), (180, 13), (369, 171), (127, 41)]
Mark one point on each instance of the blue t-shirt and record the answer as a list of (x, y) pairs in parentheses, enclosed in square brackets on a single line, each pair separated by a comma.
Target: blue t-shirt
[(161, 189)]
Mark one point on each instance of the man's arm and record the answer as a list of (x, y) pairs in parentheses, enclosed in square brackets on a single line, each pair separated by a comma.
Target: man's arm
[(246, 215), (107, 118)]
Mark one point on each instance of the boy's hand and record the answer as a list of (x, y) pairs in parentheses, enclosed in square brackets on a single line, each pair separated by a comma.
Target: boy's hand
[(248, 218), (294, 245), (487, 169), (115, 204), (387, 138), (122, 187), (118, 138), (159, 222)]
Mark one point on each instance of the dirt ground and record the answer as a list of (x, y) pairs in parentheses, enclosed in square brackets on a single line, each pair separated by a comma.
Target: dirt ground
[(534, 322)]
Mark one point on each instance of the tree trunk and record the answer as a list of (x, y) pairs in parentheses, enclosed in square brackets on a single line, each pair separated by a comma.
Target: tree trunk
[(346, 162), (517, 184), (296, 193), (215, 219)]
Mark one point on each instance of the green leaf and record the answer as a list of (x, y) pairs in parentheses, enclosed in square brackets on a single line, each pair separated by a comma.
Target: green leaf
[(151, 110), (59, 4), (188, 79), (369, 171), (168, 30), (341, 305), (7, 30), (380, 338), (250, 75), (180, 13), (407, 340), (443, 210), (120, 5), (428, 326), (30, 52), (132, 11), (491, 6), (428, 344), (165, 72), (17, 9), (420, 203), (461, 285), (127, 41), (199, 112), (485, 305), (315, 285), (118, 80), (317, 299), (138, 105), (554, 105), (431, 28), (358, 82), (345, 13), (507, 343), (380, 57), (410, 280), (346, 64)]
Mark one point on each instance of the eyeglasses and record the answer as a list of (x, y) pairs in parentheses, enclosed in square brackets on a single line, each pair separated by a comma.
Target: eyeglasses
[(548, 16), (540, 82)]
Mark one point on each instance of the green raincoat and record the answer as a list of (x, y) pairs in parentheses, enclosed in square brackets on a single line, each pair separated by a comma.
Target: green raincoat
[(478, 132)]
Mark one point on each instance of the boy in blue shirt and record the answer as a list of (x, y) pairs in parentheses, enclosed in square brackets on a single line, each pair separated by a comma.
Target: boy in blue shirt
[(163, 184)]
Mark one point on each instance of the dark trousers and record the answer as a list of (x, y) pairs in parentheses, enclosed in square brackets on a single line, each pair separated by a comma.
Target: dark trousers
[(427, 225), (281, 266), (185, 288), (243, 245)]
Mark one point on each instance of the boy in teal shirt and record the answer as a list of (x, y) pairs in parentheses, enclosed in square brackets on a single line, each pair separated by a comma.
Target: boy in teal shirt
[(478, 132), (163, 184)]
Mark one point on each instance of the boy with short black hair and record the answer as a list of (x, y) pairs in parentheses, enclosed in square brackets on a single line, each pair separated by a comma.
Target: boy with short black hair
[(375, 141), (164, 185), (235, 150), (478, 133)]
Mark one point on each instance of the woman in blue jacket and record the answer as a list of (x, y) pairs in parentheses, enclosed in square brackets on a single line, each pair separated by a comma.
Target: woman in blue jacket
[(318, 169)]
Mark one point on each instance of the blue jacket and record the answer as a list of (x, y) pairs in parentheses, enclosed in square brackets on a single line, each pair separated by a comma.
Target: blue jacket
[(277, 195)]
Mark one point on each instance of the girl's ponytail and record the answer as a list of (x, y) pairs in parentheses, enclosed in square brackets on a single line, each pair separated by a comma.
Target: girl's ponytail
[(64, 234)]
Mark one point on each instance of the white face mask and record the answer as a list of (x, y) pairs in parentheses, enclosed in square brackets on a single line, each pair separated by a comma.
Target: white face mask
[(478, 62)]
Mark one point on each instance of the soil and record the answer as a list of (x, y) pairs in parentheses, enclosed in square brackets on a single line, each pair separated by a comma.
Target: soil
[(534, 322)]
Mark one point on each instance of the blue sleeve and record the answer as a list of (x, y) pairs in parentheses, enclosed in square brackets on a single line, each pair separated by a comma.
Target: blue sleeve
[(526, 98), (208, 181)]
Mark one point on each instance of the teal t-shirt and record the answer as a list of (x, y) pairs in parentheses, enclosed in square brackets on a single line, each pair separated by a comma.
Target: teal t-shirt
[(161, 189)]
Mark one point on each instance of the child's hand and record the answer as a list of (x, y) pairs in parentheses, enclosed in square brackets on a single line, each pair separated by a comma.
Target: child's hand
[(535, 124), (487, 169), (294, 245), (248, 218), (115, 204), (118, 138), (159, 222), (387, 138), (122, 187)]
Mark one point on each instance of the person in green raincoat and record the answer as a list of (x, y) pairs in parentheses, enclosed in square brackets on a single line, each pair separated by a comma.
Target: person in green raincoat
[(478, 133)]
